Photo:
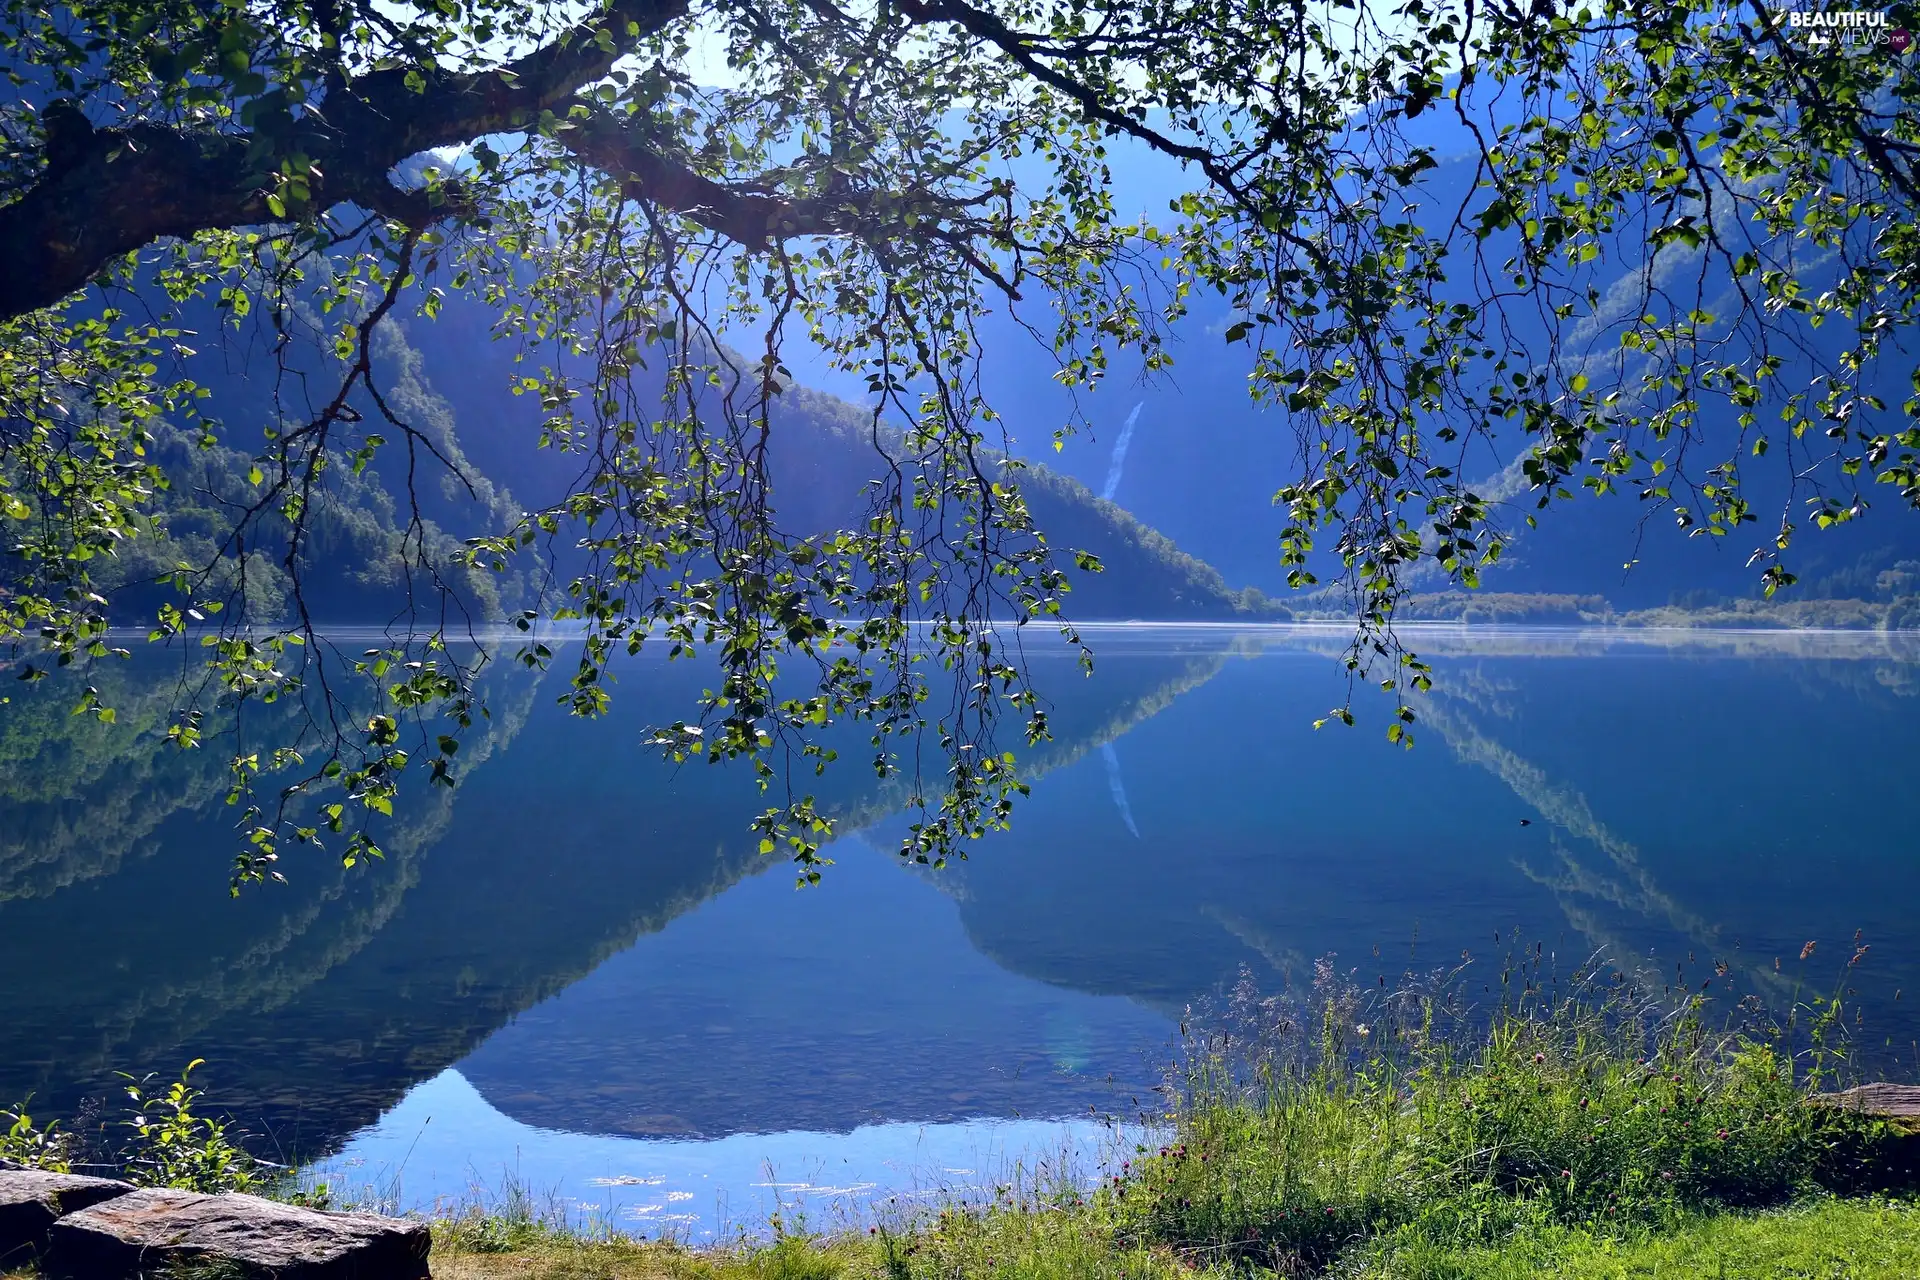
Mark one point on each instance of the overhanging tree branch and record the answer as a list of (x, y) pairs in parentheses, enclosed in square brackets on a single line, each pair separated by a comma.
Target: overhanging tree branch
[(107, 192), (749, 213)]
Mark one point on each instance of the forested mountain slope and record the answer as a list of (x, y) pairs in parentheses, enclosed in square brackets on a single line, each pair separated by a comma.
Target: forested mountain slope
[(476, 463)]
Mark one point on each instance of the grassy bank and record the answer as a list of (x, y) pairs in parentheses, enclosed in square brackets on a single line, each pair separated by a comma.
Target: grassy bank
[(1579, 1131), (1856, 1239), (1827, 1240)]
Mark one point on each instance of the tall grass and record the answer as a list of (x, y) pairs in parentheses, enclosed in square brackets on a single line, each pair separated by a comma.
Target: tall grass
[(1306, 1131)]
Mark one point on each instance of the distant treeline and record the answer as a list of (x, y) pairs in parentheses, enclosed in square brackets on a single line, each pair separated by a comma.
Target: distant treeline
[(1898, 612)]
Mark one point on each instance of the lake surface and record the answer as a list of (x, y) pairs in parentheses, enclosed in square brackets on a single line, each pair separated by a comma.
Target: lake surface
[(575, 974)]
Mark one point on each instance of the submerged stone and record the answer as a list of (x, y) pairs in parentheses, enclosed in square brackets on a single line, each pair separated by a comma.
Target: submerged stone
[(157, 1230), (32, 1200)]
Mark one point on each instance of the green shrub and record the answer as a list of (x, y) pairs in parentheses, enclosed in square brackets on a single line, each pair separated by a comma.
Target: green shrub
[(34, 1146), (174, 1145), (170, 1143)]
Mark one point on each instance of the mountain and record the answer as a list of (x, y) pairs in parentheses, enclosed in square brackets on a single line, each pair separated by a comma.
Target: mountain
[(823, 455), (1187, 452), (451, 382)]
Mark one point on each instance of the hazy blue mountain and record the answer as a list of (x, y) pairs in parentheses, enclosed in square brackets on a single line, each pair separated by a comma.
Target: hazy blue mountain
[(823, 455), (1190, 455)]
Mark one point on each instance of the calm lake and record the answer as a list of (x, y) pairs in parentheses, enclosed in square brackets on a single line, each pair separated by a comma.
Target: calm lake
[(574, 972)]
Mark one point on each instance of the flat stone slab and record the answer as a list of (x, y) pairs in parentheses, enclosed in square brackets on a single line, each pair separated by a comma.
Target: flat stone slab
[(31, 1200), (154, 1230), (1887, 1101)]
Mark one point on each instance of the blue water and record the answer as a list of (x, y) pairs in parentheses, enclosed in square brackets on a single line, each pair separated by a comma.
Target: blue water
[(444, 1146), (574, 975)]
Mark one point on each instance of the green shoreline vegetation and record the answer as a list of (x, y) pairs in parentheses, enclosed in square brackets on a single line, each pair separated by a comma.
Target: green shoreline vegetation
[(1583, 1130), (1866, 1239), (1534, 608)]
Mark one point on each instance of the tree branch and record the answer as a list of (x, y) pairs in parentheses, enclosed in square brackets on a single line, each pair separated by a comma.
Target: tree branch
[(107, 192), (748, 213)]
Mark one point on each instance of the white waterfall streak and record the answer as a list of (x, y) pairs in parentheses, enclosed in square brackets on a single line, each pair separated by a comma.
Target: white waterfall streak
[(1114, 784), (1120, 454)]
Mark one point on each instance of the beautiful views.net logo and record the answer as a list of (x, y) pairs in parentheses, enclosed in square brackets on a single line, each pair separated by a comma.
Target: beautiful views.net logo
[(1847, 27)]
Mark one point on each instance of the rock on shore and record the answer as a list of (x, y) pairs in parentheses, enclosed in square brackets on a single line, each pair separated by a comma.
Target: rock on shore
[(32, 1200), (154, 1230)]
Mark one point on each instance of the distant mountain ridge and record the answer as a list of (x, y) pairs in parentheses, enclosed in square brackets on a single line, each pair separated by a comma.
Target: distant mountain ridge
[(450, 381), (822, 456), (1190, 455), (1172, 488)]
